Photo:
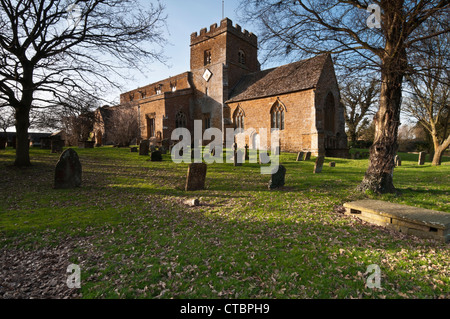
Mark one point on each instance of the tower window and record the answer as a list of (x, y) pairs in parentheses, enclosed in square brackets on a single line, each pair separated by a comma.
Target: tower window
[(158, 89), (277, 116), (207, 57), (241, 56), (180, 120)]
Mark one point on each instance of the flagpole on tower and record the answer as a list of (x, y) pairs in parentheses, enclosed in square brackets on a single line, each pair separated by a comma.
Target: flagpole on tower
[(223, 9)]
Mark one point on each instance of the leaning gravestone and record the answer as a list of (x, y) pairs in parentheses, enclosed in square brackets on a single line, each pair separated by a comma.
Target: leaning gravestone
[(278, 178), (68, 170), (307, 156), (332, 164), (196, 176), (300, 156), (422, 156), (156, 156), (397, 161), (144, 148), (319, 164)]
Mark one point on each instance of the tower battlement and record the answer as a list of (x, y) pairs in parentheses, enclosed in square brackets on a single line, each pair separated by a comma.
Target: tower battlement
[(226, 25)]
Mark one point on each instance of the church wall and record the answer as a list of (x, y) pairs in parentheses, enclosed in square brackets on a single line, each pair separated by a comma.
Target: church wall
[(299, 132)]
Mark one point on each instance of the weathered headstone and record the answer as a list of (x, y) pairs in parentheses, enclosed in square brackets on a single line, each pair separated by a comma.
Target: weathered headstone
[(156, 156), (300, 156), (133, 149), (422, 156), (68, 170), (196, 177), (278, 178), (144, 148), (319, 164), (332, 164), (397, 161), (307, 156)]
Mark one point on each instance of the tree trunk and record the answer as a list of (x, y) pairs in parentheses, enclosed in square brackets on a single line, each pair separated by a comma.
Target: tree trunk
[(379, 175), (439, 150), (22, 142)]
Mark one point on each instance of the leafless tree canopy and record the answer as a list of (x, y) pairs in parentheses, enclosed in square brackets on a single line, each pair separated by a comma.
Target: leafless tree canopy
[(51, 50), (429, 98), (359, 99)]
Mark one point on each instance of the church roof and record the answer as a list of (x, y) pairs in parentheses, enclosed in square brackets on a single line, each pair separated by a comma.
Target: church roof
[(293, 77)]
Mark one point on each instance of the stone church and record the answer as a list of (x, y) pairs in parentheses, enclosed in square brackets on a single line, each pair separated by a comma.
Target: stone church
[(225, 88)]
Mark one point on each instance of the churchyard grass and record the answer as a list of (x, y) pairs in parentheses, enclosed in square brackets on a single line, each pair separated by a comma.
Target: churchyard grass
[(134, 237)]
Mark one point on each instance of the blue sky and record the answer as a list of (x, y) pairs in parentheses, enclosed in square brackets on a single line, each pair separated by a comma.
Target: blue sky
[(184, 18)]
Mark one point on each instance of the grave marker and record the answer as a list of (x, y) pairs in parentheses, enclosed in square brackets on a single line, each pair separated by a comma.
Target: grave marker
[(278, 178), (196, 176), (68, 170), (319, 164)]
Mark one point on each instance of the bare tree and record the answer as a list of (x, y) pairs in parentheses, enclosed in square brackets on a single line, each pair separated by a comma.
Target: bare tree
[(359, 99), (123, 125), (6, 119), (381, 39), (429, 102), (51, 50)]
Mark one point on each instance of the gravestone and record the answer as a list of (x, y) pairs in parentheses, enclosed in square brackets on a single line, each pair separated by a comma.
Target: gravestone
[(307, 156), (397, 161), (357, 155), (68, 170), (332, 164), (133, 149), (319, 164), (144, 148), (247, 155), (422, 156), (156, 156), (196, 176), (278, 178), (300, 156)]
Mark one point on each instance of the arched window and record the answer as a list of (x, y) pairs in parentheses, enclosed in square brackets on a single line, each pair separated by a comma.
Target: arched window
[(277, 116), (241, 56), (180, 120), (329, 113), (238, 118)]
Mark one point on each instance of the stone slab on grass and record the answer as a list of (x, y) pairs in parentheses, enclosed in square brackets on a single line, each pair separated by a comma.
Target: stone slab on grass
[(416, 221)]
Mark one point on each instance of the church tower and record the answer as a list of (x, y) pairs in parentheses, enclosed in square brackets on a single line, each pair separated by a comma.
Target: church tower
[(220, 57)]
